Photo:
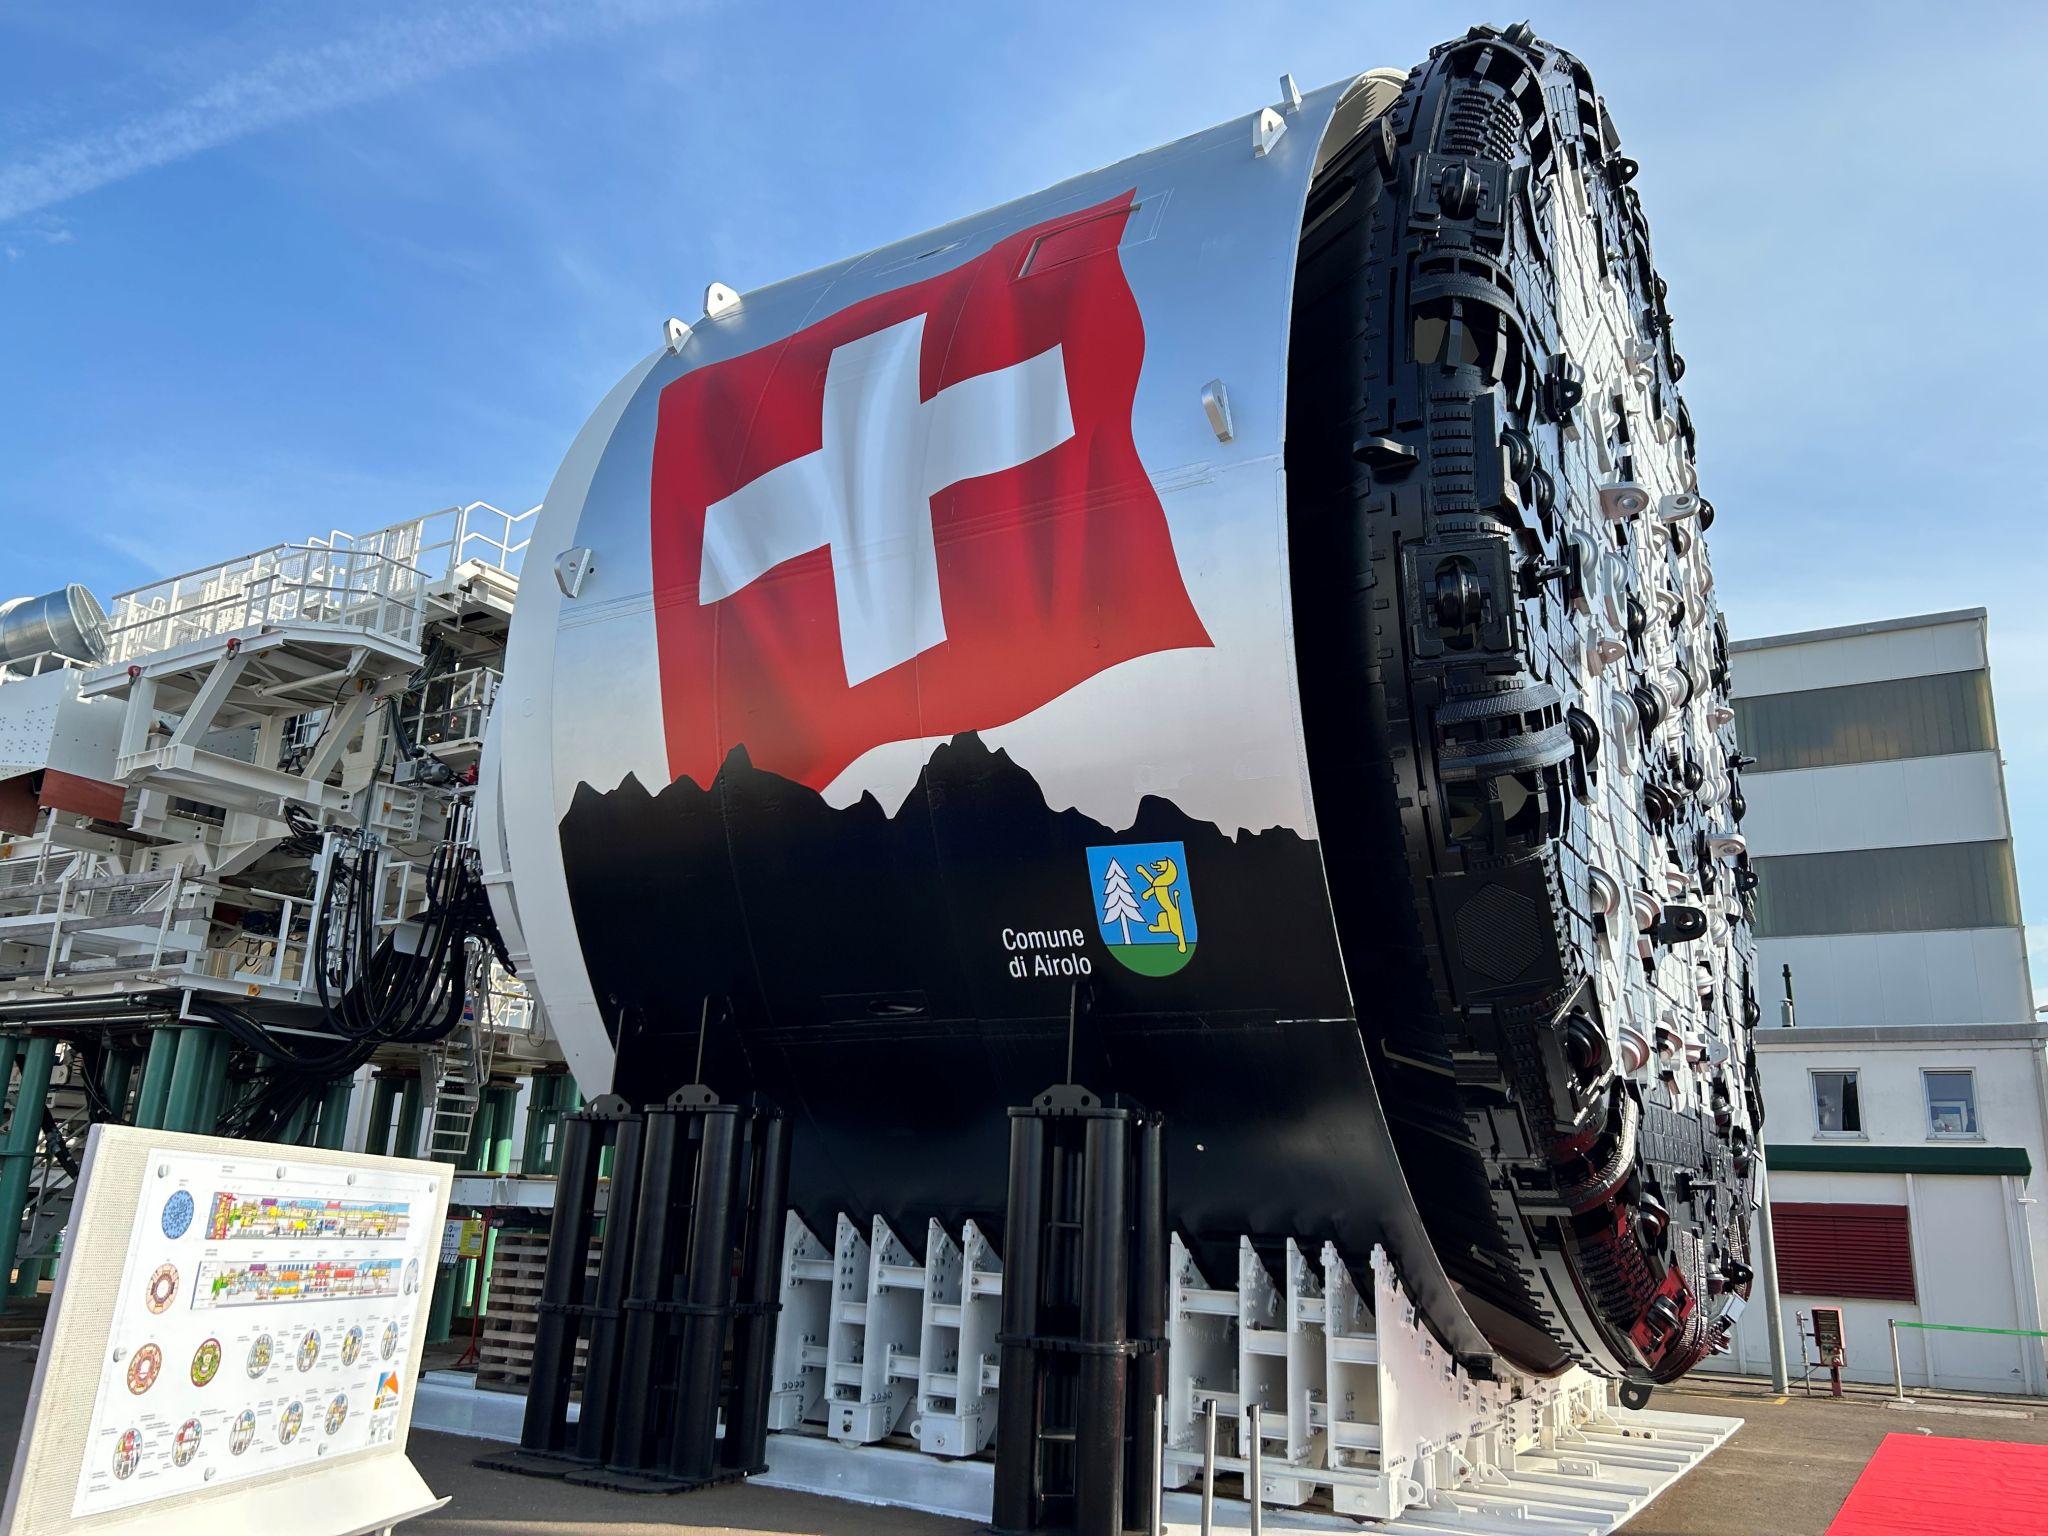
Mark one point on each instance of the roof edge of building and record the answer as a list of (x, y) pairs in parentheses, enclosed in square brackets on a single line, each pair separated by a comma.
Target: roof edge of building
[(1853, 631), (1780, 1037)]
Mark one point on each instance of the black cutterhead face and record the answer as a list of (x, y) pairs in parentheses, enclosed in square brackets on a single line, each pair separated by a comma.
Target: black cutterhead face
[(1516, 702)]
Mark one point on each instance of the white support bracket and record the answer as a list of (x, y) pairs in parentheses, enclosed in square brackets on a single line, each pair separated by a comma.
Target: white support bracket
[(1364, 1414), (1267, 127), (873, 1340), (802, 1327)]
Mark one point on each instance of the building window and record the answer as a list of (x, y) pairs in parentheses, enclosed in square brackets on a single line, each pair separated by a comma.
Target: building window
[(1888, 890), (1868, 722), (1951, 1103), (1837, 1111), (1844, 1252)]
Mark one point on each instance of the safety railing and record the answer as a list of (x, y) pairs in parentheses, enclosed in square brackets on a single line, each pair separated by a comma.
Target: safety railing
[(364, 591), (70, 915), (373, 582), (506, 1007), (79, 923), (444, 540), (28, 880), (24, 667), (276, 957), (450, 709), (1896, 1323)]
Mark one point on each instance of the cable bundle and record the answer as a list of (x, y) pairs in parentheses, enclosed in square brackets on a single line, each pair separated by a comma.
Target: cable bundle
[(372, 992)]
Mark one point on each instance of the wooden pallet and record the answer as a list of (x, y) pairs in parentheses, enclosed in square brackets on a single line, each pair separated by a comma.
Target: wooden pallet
[(512, 1319)]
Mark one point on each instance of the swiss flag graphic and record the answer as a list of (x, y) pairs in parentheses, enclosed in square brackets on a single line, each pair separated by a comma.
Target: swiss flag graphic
[(922, 515)]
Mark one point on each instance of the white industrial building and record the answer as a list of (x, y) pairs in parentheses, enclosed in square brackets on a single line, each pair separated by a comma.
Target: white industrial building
[(1877, 819), (1907, 1104), (1924, 1210)]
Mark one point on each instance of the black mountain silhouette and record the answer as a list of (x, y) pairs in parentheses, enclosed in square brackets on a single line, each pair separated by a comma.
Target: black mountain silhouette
[(802, 915), (863, 983)]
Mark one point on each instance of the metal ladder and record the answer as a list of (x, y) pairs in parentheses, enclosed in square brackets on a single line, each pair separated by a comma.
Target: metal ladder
[(457, 1067)]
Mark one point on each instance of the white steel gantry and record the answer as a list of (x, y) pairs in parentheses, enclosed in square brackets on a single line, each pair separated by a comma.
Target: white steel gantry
[(170, 812), (242, 711)]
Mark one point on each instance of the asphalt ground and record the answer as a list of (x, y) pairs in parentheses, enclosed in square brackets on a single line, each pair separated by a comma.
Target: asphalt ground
[(1784, 1474), (1793, 1462)]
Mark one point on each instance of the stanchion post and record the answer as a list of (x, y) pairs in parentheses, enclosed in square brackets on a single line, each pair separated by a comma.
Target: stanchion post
[(1254, 1475), (1145, 1469), (1105, 1292), (1015, 1501), (1898, 1375), (707, 1295), (1155, 1500), (746, 1436), (614, 1266), (633, 1444), (546, 1425), (1774, 1310), (1209, 1467)]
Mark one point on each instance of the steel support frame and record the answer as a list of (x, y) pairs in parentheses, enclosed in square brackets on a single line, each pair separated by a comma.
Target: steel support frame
[(680, 1319), (1075, 1420)]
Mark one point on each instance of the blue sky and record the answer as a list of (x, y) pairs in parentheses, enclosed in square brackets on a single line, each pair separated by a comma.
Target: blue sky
[(271, 268)]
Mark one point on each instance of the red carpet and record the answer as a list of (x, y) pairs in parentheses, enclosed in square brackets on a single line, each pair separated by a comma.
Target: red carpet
[(1924, 1485)]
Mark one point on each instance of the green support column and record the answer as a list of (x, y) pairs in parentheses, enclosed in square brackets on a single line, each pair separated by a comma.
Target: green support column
[(188, 1079), (407, 1141), (441, 1315), (213, 1097), (117, 1078), (477, 1153), (500, 1162), (294, 1132), (10, 1052), (30, 1270), (18, 1151), (554, 1096), (156, 1076), (486, 1135), (334, 1113), (498, 1151), (383, 1097), (534, 1153)]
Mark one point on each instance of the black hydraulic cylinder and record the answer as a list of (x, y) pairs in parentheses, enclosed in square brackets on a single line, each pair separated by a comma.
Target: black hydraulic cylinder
[(1149, 1252), (634, 1442), (1016, 1501), (614, 1267), (707, 1295), (546, 1425), (753, 1352), (1104, 1295)]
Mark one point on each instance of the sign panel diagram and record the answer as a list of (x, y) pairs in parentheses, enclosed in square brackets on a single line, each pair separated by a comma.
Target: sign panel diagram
[(264, 1321)]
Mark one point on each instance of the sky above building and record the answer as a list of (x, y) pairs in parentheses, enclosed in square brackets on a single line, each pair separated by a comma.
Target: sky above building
[(271, 269)]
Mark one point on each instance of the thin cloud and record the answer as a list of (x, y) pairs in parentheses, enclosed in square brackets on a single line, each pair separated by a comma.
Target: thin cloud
[(392, 55)]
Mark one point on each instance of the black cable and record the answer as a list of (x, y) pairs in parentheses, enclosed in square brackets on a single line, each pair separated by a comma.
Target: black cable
[(369, 989)]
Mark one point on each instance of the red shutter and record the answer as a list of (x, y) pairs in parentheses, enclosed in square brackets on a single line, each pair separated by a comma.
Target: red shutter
[(1859, 1251)]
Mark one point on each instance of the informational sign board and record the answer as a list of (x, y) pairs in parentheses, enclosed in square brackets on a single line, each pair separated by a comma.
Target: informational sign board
[(1828, 1336), (229, 1316)]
